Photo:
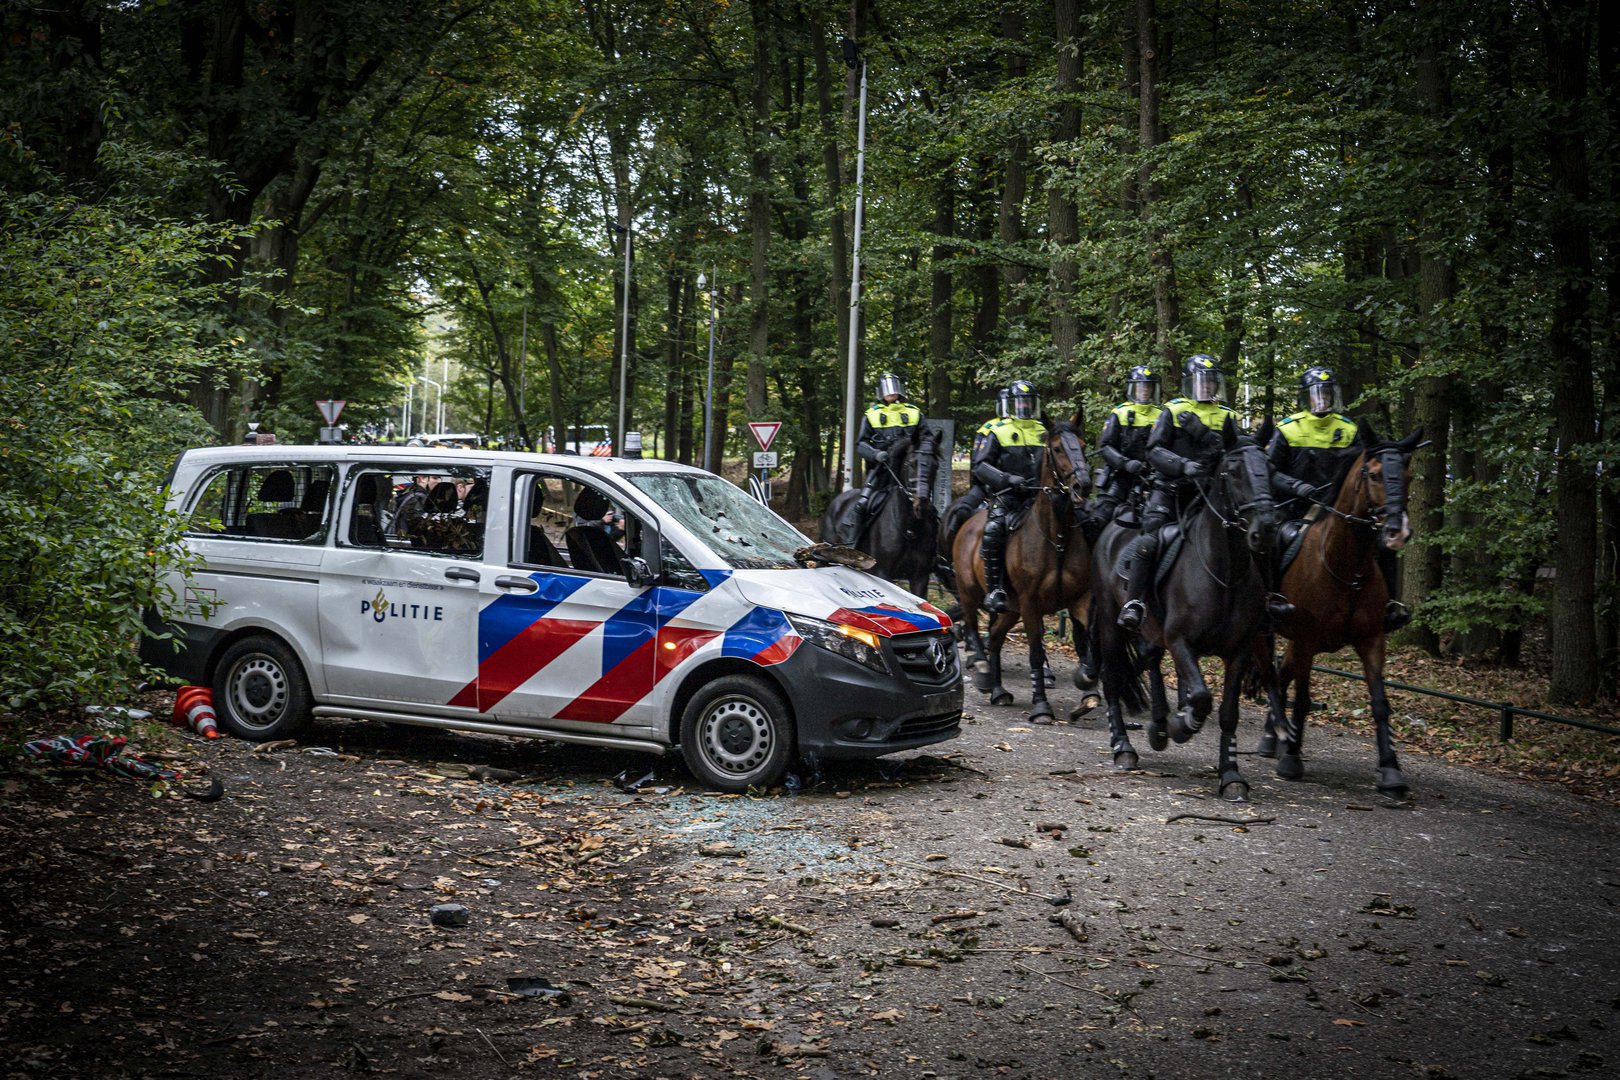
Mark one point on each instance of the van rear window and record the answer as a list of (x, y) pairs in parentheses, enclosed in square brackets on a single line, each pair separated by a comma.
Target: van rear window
[(284, 503)]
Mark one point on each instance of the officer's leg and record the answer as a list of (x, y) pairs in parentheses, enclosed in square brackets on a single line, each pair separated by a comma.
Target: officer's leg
[(960, 510), (993, 550), (1396, 614), (1143, 557), (855, 524), (1278, 606)]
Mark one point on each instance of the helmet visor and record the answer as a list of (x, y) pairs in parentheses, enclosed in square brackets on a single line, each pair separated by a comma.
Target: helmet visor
[(1025, 406), (1143, 392), (1321, 398), (1204, 385), (891, 384)]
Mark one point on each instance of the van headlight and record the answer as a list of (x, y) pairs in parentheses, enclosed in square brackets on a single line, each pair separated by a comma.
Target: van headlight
[(850, 642)]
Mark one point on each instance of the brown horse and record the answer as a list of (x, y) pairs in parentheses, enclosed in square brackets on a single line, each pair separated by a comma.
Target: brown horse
[(1048, 570), (1339, 599)]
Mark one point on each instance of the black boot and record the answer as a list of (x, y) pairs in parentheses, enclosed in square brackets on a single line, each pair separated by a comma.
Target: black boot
[(1278, 607), (1396, 615), (856, 522), (993, 552), (1143, 557)]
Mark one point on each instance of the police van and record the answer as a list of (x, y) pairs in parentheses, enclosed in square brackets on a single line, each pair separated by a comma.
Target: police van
[(641, 605)]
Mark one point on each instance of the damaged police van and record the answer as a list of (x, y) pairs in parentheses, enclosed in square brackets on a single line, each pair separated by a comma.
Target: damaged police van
[(641, 605)]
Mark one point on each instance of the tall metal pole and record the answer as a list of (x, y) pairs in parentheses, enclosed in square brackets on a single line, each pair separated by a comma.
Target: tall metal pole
[(624, 345), (708, 396), (444, 373), (851, 412), (405, 411), (440, 388)]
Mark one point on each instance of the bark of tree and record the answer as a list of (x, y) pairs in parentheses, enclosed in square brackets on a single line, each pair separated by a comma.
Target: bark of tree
[(941, 332), (1574, 628), (759, 216), (1063, 219), (1010, 220), (1150, 134), (1608, 629)]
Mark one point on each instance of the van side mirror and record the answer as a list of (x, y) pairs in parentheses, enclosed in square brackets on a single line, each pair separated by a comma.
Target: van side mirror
[(637, 572)]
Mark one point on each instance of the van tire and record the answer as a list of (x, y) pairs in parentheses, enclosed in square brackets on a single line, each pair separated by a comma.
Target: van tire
[(260, 692), (737, 733)]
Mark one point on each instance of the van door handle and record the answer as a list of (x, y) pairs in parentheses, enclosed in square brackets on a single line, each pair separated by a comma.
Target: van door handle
[(523, 584), (461, 573)]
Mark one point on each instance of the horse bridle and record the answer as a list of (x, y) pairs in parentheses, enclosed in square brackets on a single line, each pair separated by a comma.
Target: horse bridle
[(1377, 515), (1260, 489)]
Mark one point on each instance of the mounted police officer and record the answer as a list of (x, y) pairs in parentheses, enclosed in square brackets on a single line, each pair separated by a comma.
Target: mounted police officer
[(1124, 440), (1306, 456), (1007, 463), (1178, 455), (884, 425), (967, 504)]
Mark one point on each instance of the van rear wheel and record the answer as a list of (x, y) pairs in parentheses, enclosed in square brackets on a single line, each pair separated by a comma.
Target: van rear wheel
[(737, 733), (260, 692)]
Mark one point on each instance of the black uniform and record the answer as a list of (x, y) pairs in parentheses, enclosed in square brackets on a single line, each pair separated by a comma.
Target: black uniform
[(1007, 464), (1124, 445), (884, 425)]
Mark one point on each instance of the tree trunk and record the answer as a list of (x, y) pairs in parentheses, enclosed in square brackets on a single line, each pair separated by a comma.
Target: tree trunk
[(1150, 133), (1574, 628), (1063, 219), (759, 216), (1608, 628), (941, 333), (1010, 220)]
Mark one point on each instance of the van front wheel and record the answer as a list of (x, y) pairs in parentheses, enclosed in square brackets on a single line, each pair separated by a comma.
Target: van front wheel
[(737, 733), (260, 692)]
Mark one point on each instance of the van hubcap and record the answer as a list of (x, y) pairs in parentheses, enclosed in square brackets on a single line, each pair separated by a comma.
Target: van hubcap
[(260, 690), (737, 735)]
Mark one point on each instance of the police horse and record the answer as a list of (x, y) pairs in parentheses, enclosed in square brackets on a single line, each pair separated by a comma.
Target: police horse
[(902, 530), (1048, 570), (1208, 599), (1339, 596)]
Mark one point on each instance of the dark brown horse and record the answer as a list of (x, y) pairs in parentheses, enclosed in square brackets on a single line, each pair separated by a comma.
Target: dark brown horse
[(1048, 570), (902, 534), (1209, 603), (1339, 599)]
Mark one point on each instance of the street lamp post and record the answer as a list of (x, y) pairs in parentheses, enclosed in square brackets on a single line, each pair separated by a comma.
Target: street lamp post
[(852, 57), (439, 386), (405, 411), (624, 339), (708, 396)]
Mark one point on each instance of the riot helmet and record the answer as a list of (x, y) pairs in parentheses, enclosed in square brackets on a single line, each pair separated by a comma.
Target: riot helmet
[(889, 384), (1023, 402), (1202, 379), (1142, 386), (1319, 391), (1003, 406)]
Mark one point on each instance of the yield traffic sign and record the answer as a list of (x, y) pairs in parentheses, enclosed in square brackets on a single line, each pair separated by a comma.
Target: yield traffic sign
[(330, 410), (764, 431)]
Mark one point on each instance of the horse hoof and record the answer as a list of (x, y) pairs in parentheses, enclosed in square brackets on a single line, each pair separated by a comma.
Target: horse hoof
[(1290, 767), (1001, 697), (1392, 785), (1157, 738), (1041, 713), (1087, 704), (1084, 678), (981, 677), (1125, 760), (1235, 791), (1185, 724), (1267, 746)]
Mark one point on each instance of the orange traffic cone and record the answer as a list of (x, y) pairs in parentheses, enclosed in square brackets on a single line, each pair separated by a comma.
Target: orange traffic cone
[(194, 708)]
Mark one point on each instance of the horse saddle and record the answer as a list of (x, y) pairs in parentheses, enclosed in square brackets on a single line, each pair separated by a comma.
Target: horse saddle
[(1290, 538), (1170, 545), (1016, 518), (874, 504)]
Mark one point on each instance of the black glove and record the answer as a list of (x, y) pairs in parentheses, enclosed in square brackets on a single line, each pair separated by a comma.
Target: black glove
[(1016, 482), (883, 457), (1133, 467), (1304, 489), (1193, 470)]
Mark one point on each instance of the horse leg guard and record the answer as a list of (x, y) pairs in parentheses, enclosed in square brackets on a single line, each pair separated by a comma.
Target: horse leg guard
[(1233, 787), (1267, 746), (1290, 766)]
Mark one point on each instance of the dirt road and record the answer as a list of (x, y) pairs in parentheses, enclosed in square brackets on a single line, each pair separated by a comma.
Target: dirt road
[(1005, 905)]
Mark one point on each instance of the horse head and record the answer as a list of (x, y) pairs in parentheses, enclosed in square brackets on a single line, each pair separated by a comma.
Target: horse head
[(1386, 475), (1066, 462), (1245, 478)]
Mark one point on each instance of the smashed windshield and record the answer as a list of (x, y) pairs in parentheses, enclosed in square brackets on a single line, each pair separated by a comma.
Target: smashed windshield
[(747, 535)]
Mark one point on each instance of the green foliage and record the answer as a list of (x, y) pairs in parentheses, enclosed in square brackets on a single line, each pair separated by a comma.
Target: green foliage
[(104, 310)]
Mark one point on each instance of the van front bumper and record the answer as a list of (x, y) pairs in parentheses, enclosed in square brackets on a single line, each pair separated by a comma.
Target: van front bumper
[(844, 710)]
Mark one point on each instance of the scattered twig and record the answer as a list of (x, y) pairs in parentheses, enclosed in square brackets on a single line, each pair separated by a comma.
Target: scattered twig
[(642, 1003), (1222, 820), (1105, 995), (1076, 927), (777, 920), (953, 916), (493, 1047), (403, 997), (957, 873)]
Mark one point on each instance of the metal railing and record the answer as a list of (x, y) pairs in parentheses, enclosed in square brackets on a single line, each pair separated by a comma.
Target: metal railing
[(1505, 710)]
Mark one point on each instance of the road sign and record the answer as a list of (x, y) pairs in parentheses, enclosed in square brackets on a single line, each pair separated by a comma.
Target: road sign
[(330, 410), (765, 459), (764, 431)]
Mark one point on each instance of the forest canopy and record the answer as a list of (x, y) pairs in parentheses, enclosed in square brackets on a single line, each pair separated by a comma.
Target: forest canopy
[(215, 213)]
